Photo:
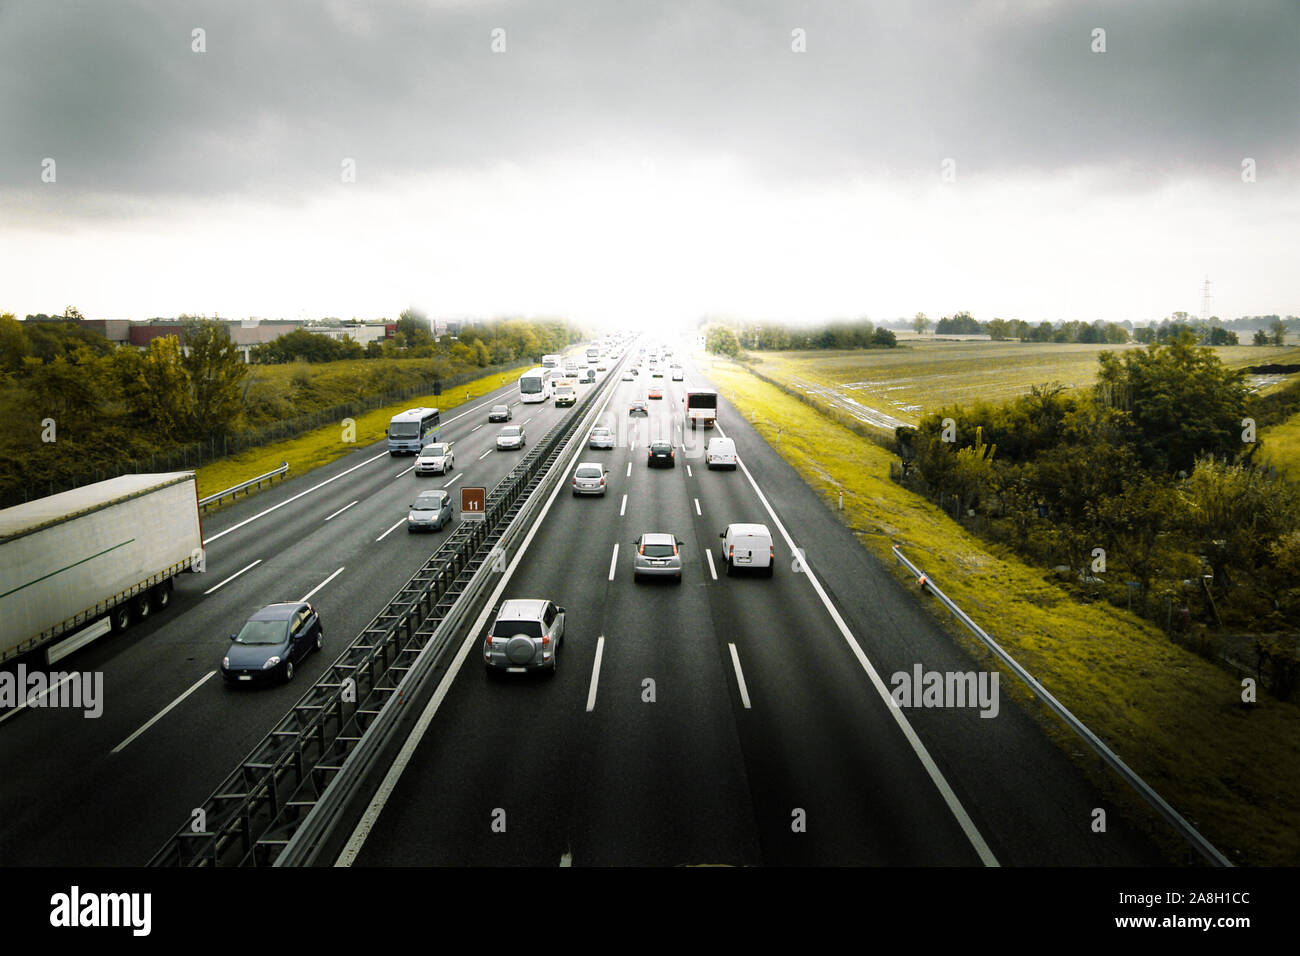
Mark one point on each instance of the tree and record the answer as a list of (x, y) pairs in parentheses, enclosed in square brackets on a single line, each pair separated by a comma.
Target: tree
[(721, 341), (1279, 332), (884, 337), (1261, 337), (414, 326), (13, 343), (920, 322), (216, 374)]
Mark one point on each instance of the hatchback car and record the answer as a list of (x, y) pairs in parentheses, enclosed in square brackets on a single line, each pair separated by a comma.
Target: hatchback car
[(657, 555), (748, 546), (661, 455), (512, 436), (526, 635), (272, 641), (435, 459), (627, 376), (499, 413), (601, 437), (589, 478), (430, 511), (679, 375), (638, 408), (655, 393)]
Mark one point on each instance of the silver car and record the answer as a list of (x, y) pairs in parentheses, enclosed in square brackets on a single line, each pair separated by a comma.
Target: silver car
[(601, 437), (512, 436), (435, 459), (657, 555), (589, 478), (526, 636), (430, 511)]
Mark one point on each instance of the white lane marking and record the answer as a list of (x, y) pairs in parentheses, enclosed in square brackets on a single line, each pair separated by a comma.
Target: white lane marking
[(740, 676), (622, 509), (708, 553), (613, 561), (452, 482), (485, 454), (232, 577), (629, 469), (595, 673), (406, 471), (158, 716), (688, 471), (390, 531), (322, 584), (35, 697), (263, 514), (527, 420), (475, 428), (341, 510), (349, 853), (697, 506), (936, 775)]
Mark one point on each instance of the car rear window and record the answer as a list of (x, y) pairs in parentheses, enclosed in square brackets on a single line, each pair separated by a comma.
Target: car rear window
[(590, 471), (511, 628), (510, 431), (657, 550)]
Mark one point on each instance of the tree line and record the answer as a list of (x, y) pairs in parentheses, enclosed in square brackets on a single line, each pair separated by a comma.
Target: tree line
[(1144, 488)]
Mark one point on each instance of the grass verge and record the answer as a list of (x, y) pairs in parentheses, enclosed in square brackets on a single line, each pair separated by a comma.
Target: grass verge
[(1282, 447), (324, 445), (1176, 719)]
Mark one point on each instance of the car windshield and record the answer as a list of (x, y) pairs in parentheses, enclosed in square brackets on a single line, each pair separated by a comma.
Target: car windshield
[(657, 550), (511, 628), (589, 471), (437, 451), (428, 502), (262, 632), (404, 430), (499, 409)]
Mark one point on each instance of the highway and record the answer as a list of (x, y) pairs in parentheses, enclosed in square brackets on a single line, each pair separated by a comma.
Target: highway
[(730, 720)]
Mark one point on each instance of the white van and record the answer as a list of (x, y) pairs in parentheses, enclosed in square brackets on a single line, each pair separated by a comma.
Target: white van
[(720, 453), (748, 546)]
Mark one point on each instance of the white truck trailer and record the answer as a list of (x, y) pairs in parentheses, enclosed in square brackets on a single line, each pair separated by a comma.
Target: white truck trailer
[(79, 564)]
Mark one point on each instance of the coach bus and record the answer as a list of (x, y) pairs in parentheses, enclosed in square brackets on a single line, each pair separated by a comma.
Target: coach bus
[(411, 430), (535, 385)]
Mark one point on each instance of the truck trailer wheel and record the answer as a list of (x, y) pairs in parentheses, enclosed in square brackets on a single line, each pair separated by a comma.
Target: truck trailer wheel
[(120, 617), (162, 595), (141, 605)]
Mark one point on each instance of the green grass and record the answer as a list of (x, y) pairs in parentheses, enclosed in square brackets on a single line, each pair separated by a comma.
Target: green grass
[(1173, 717), (913, 380), (1281, 447), (324, 445)]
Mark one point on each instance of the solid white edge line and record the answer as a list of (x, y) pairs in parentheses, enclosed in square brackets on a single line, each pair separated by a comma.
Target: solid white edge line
[(740, 676), (708, 553), (613, 561), (158, 716), (220, 534), (390, 531), (341, 510), (936, 776), (389, 783), (232, 577), (595, 673), (622, 510), (308, 595)]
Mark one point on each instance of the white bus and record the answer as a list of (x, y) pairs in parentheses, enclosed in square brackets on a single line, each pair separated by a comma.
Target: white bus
[(551, 361), (535, 385), (411, 430), (593, 355)]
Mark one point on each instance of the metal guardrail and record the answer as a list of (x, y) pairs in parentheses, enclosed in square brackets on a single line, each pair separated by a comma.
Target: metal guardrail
[(251, 482), (1144, 790), (340, 728)]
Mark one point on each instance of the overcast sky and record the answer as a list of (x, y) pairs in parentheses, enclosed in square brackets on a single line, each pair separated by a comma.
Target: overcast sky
[(650, 162)]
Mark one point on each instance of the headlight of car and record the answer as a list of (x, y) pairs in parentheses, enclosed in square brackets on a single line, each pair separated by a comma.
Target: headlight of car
[(271, 663), (225, 663)]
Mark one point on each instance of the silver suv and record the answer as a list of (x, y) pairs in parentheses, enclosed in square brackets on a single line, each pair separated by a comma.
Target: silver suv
[(525, 636)]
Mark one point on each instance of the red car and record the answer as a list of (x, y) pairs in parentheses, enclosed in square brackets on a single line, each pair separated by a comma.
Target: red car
[(655, 393)]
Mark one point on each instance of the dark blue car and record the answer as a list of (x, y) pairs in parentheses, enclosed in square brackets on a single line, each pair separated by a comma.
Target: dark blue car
[(274, 640)]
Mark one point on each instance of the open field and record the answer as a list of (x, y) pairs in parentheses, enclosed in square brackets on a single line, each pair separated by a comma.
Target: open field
[(887, 387), (1281, 447), (1174, 717)]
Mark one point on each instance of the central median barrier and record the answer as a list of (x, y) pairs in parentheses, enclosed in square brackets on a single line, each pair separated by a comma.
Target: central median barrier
[(293, 797)]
